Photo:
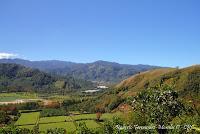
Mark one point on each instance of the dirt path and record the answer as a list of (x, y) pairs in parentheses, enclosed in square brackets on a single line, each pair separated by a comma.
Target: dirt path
[(18, 101)]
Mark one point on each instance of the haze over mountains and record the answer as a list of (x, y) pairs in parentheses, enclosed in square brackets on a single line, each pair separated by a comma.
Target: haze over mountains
[(100, 71)]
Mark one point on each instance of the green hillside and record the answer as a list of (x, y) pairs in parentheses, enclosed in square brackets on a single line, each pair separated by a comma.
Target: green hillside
[(15, 77), (185, 81), (99, 71)]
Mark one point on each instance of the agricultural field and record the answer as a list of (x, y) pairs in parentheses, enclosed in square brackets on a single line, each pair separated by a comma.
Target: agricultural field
[(69, 126), (7, 97), (84, 117), (55, 119), (29, 120), (91, 123), (27, 126)]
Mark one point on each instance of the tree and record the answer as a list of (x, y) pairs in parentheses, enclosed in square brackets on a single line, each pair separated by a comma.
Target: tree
[(14, 130), (56, 131), (4, 118), (83, 129), (98, 115), (160, 104), (31, 106)]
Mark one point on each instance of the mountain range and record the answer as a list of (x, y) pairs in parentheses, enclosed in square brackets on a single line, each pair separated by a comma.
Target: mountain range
[(17, 78), (99, 71)]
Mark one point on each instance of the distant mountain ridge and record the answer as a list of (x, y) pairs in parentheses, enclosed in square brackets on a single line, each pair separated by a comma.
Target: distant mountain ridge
[(14, 78), (101, 71)]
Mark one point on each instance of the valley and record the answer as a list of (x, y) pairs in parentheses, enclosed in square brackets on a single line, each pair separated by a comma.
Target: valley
[(99, 67), (69, 105)]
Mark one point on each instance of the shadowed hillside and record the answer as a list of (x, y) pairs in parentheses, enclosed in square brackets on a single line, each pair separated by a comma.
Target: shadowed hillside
[(99, 71), (15, 77)]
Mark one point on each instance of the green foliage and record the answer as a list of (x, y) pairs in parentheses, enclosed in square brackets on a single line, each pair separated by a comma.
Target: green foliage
[(115, 103), (15, 77), (4, 118), (83, 129), (66, 103), (28, 119), (53, 112), (30, 106), (56, 131), (193, 83), (115, 127), (14, 130), (96, 71), (160, 103), (60, 84), (186, 122)]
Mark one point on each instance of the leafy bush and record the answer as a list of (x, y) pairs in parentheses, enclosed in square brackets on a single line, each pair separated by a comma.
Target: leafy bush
[(53, 112), (4, 118), (30, 106), (115, 103), (56, 131), (83, 129), (14, 130)]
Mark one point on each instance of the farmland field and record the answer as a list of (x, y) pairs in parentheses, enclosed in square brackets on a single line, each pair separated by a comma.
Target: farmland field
[(6, 97), (28, 119), (69, 126), (67, 122), (109, 116), (27, 126), (54, 119), (84, 117), (90, 123)]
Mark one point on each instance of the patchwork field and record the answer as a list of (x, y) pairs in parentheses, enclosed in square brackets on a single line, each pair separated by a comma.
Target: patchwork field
[(27, 126), (55, 119), (69, 126), (90, 123), (29, 120)]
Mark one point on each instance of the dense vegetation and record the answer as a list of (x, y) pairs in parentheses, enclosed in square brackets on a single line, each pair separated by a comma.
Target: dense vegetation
[(158, 108), (100, 71), (15, 77), (164, 101)]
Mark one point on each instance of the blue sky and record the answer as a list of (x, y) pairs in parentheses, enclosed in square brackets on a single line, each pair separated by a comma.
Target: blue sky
[(156, 32)]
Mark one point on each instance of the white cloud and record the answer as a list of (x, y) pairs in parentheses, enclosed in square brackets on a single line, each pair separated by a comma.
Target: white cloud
[(7, 55)]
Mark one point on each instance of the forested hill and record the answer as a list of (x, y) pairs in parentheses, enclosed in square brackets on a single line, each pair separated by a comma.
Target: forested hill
[(15, 77), (100, 71)]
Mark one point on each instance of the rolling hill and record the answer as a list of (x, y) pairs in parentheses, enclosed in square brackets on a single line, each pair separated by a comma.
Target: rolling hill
[(185, 81), (99, 71), (15, 77)]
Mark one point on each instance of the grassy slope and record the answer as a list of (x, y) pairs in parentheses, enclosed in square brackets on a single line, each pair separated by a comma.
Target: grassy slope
[(179, 78), (28, 119), (54, 119), (69, 126), (183, 80), (137, 82)]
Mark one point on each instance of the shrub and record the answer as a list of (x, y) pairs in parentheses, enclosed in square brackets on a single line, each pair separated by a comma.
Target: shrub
[(53, 112), (56, 131)]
